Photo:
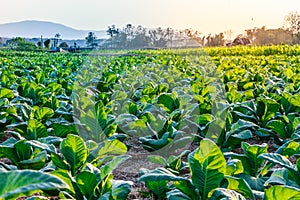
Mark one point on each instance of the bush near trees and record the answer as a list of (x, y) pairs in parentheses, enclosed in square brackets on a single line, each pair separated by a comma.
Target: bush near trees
[(20, 44)]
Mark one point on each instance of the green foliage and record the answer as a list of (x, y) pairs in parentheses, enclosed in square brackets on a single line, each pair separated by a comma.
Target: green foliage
[(67, 116), (26, 182)]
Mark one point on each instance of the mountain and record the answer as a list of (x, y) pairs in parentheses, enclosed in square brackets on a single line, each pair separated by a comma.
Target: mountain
[(33, 28)]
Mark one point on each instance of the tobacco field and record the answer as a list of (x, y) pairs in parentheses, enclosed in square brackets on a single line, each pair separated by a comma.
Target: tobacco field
[(212, 123)]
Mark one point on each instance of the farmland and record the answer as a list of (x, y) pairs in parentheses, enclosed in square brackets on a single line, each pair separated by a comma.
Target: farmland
[(211, 123)]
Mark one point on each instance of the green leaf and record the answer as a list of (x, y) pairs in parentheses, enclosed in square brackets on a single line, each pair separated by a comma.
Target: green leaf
[(278, 159), (177, 195), (167, 101), (26, 182), (223, 193), (278, 177), (204, 119), (59, 162), (74, 150), (41, 144), (42, 114), (160, 174), (253, 162), (154, 144), (239, 185), (266, 109), (23, 150), (6, 93), (35, 130), (120, 190), (157, 179), (157, 160), (282, 192), (208, 167), (61, 130), (289, 148), (108, 148), (87, 182), (187, 188), (36, 163), (109, 167), (234, 166), (241, 125), (253, 182), (7, 150), (278, 127)]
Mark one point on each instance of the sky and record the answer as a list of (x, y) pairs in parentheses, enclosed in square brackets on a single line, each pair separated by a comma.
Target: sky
[(206, 16)]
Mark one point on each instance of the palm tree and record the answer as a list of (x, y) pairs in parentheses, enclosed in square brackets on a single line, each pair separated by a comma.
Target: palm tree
[(56, 38)]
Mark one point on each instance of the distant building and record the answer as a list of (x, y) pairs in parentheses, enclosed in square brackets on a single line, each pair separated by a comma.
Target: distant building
[(239, 41)]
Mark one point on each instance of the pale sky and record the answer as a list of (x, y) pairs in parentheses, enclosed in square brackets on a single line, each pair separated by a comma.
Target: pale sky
[(206, 16)]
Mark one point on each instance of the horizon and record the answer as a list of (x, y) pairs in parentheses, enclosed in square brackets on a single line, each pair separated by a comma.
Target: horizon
[(214, 16)]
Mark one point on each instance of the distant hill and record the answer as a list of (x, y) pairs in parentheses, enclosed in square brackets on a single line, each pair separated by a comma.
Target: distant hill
[(32, 28)]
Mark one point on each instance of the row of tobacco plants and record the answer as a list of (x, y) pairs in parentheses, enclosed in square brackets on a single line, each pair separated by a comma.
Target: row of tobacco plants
[(220, 123)]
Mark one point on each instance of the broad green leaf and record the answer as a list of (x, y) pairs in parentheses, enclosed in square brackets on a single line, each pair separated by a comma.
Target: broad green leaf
[(239, 185), (26, 182), (223, 193), (36, 163), (157, 159), (280, 177), (278, 127), (156, 181), (282, 192), (109, 167), (255, 183), (289, 148), (167, 101), (208, 167), (66, 177), (6, 93), (234, 166), (43, 146), (177, 195), (108, 148), (278, 159), (120, 190), (87, 182), (160, 174), (266, 109), (187, 188), (35, 130), (74, 151), (61, 130), (252, 152), (23, 150), (59, 162), (154, 144), (42, 114)]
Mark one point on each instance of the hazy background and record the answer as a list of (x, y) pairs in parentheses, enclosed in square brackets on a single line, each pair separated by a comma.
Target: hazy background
[(209, 16)]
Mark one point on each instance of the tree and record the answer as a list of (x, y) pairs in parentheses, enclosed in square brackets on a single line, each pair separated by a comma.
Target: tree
[(91, 39), (195, 36), (56, 38), (292, 23), (47, 43), (112, 32)]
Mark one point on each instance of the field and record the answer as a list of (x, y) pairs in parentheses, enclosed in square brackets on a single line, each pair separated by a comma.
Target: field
[(186, 124)]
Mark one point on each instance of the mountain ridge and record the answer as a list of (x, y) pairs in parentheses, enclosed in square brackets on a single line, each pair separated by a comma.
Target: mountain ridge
[(47, 29)]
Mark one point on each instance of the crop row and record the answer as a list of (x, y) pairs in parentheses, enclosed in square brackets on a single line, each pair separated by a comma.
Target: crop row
[(68, 121)]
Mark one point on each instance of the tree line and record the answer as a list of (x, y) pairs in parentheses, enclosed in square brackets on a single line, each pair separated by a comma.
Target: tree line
[(130, 37)]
